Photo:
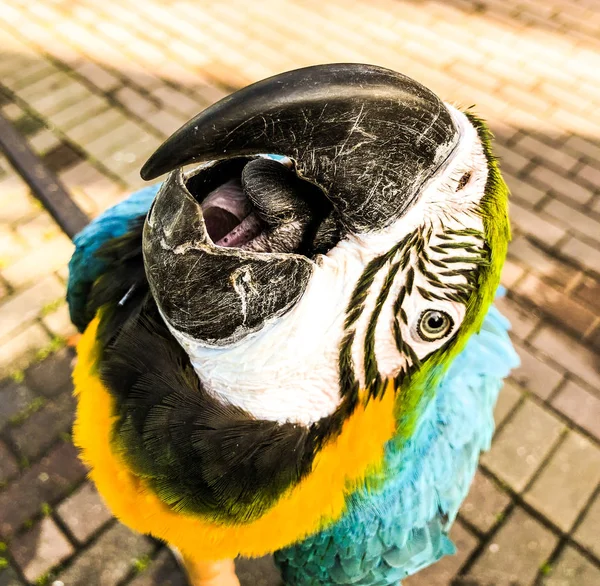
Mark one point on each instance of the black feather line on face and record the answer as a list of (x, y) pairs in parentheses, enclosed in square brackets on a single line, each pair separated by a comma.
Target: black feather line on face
[(413, 247)]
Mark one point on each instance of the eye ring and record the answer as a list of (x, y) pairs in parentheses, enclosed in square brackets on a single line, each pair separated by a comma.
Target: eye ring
[(434, 325)]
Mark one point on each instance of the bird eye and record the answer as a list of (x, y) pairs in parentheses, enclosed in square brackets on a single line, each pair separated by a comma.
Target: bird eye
[(434, 325)]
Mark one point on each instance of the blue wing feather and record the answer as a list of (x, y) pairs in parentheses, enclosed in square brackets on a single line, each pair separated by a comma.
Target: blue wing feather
[(386, 536), (85, 267)]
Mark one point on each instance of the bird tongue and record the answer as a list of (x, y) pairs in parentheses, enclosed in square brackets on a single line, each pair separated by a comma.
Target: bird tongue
[(242, 234), (228, 216)]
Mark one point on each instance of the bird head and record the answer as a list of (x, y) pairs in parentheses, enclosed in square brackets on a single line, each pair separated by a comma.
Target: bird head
[(339, 239), (365, 251)]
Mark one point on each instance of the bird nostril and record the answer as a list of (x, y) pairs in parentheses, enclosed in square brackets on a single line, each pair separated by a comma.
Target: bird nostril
[(462, 183)]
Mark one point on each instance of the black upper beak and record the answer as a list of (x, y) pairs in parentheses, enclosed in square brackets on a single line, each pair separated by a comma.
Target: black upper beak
[(368, 137)]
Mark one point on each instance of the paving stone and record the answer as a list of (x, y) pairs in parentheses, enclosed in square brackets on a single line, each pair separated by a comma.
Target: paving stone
[(108, 560), (588, 291), (114, 137), (52, 477), (22, 76), (10, 246), (572, 569), (540, 262), (70, 115), (163, 571), (51, 376), (58, 99), (581, 406), (135, 102), (87, 177), (12, 111), (166, 122), (535, 374), (582, 253), (593, 338), (512, 162), (38, 230), (568, 353), (537, 225), (44, 427), (104, 199), (258, 572), (529, 100), (522, 320), (511, 273), (567, 482), (18, 351), (16, 201), (40, 548), (26, 304), (8, 465), (533, 147), (587, 532), (485, 503), (84, 512), (577, 220), (63, 274), (52, 82), (15, 398), (44, 141), (98, 76), (59, 322), (556, 304), (591, 175), (177, 100), (28, 125), (522, 444), (61, 157), (509, 396), (441, 573), (573, 124), (132, 155), (515, 554), (209, 94), (8, 577), (41, 261), (95, 126)]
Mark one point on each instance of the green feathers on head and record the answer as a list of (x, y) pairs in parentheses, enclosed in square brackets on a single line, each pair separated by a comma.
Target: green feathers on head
[(493, 209)]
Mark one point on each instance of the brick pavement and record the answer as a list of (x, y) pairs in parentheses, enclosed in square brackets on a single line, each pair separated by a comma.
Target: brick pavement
[(96, 86)]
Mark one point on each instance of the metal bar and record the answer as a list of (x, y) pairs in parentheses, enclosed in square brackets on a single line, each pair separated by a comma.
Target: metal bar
[(43, 183)]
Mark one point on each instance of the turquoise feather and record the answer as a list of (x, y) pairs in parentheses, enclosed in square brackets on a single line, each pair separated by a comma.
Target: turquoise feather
[(84, 266), (387, 535)]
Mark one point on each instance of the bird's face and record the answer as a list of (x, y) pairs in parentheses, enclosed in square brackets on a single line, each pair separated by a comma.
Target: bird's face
[(366, 251)]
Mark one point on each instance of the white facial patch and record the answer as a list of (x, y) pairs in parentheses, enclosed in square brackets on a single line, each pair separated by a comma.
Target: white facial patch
[(289, 370)]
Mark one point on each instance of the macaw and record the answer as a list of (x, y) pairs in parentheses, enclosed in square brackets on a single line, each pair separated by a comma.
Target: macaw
[(291, 347)]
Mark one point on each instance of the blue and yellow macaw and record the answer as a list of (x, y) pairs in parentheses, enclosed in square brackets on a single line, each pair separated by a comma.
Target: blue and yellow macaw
[(297, 352)]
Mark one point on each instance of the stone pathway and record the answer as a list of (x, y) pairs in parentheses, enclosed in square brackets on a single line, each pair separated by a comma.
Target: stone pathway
[(96, 86)]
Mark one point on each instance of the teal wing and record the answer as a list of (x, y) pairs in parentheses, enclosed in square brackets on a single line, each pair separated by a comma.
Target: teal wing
[(396, 532), (86, 266)]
